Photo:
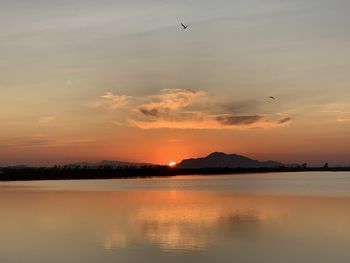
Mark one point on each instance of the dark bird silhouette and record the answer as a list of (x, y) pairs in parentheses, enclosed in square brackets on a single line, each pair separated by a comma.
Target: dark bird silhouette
[(272, 97), (184, 27)]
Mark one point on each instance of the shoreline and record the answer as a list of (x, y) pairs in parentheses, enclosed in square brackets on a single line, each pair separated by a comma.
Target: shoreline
[(44, 173)]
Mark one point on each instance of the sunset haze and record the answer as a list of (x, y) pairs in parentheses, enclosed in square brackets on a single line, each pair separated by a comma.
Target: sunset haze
[(121, 80)]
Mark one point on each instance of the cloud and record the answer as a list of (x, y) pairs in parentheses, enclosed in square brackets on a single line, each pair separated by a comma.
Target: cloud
[(254, 121), (285, 120), (212, 122), (47, 119), (168, 102), (110, 100), (238, 120), (340, 115), (191, 109)]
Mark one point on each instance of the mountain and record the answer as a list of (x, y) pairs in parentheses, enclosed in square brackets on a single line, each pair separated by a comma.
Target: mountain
[(221, 160), (108, 163)]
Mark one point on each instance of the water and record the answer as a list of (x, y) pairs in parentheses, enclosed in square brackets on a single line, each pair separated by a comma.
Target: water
[(280, 217)]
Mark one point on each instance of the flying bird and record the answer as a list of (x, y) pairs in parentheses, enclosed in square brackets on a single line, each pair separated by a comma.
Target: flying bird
[(272, 97), (184, 27)]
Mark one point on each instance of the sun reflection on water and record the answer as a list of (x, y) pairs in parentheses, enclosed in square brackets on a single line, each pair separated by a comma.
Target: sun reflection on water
[(176, 222)]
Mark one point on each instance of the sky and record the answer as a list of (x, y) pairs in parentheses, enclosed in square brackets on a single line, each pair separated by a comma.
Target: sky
[(120, 80)]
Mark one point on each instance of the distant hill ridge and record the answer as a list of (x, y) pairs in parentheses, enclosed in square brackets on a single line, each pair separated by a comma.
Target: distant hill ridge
[(213, 160), (221, 160)]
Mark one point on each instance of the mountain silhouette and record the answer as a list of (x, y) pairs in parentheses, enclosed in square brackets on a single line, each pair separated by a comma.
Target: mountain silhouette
[(222, 160)]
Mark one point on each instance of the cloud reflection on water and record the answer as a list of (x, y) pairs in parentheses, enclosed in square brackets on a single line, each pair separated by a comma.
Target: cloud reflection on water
[(118, 223)]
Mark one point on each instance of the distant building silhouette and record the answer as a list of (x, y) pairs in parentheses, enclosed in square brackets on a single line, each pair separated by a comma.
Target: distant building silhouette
[(325, 166)]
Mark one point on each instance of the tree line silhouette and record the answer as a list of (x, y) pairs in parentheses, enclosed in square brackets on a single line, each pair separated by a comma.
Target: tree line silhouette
[(22, 173)]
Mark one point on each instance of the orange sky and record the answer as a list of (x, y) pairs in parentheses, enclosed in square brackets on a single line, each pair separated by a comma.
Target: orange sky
[(123, 81)]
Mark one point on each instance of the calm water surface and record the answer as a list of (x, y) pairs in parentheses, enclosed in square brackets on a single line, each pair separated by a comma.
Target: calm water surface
[(280, 217)]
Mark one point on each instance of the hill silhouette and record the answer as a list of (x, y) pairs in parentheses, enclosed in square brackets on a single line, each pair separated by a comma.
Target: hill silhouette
[(222, 160)]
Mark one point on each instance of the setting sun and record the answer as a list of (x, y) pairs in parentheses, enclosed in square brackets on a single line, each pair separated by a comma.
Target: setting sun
[(172, 164)]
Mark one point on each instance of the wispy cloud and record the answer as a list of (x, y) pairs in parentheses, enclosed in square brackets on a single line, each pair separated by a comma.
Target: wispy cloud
[(212, 122), (47, 119), (168, 101), (238, 120), (340, 115), (110, 100), (254, 121), (191, 109)]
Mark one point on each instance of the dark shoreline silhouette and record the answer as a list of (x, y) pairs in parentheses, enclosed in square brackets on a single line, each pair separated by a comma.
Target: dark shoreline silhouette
[(106, 172)]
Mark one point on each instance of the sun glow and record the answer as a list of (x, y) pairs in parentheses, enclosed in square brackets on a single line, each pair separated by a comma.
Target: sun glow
[(172, 164)]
